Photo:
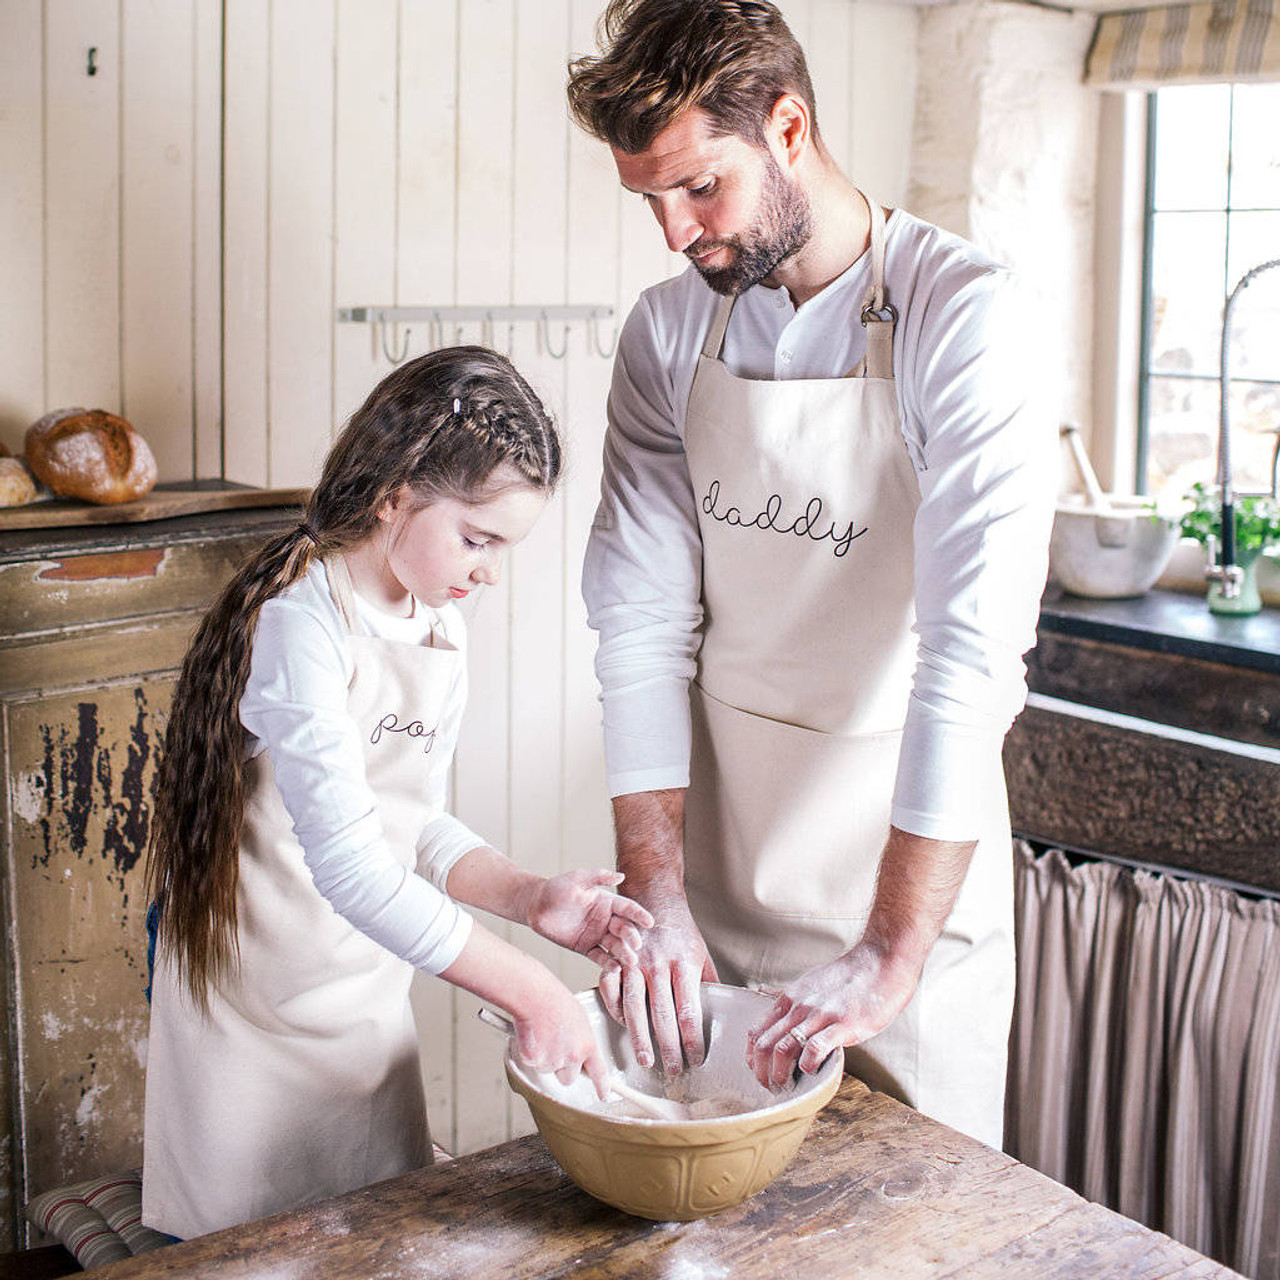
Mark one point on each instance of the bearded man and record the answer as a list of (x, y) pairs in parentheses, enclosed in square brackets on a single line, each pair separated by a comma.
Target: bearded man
[(815, 569)]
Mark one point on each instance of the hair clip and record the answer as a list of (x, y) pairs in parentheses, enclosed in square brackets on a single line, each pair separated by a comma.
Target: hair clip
[(457, 406)]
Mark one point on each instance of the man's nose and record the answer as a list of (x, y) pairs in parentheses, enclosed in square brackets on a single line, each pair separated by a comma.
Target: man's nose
[(678, 225)]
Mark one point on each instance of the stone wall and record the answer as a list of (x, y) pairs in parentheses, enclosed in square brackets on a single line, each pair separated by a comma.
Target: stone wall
[(1005, 153)]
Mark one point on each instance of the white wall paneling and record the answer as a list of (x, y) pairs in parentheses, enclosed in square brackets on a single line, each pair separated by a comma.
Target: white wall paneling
[(300, 246), (22, 228), (82, 201), (206, 251), (157, 123), (110, 217), (248, 58)]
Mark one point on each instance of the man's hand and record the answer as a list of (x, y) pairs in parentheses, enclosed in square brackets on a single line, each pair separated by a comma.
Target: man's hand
[(579, 910), (661, 987), (672, 961), (834, 1005), (852, 998)]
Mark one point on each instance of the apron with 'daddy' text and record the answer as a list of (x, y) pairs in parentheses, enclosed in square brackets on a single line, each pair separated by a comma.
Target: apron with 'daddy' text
[(806, 500), (303, 1080)]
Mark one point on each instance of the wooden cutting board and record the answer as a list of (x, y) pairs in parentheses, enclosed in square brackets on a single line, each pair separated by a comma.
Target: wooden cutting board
[(162, 503)]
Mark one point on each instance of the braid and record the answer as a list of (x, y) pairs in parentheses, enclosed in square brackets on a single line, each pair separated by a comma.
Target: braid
[(193, 862)]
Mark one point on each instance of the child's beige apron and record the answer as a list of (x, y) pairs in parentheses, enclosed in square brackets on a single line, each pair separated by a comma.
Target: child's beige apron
[(303, 1082), (806, 501)]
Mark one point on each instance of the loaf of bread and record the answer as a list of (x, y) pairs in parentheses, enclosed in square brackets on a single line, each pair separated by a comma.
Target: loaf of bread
[(16, 484), (90, 454)]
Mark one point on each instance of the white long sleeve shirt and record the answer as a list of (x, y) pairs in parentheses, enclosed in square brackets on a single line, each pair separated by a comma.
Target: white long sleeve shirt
[(964, 364), (295, 707)]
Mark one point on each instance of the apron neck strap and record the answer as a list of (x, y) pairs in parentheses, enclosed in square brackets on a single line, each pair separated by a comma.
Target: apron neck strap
[(878, 314), (715, 335), (341, 591)]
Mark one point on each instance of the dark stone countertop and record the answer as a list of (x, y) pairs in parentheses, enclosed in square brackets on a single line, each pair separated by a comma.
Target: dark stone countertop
[(1167, 622)]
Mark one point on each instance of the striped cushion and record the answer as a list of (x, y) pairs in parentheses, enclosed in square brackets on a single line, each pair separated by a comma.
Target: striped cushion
[(99, 1221)]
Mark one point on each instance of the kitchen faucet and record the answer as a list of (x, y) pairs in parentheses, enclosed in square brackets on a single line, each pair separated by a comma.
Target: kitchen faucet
[(1223, 567)]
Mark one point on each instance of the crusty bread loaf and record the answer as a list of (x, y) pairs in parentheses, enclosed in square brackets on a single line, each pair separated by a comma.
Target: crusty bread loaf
[(16, 484), (90, 454)]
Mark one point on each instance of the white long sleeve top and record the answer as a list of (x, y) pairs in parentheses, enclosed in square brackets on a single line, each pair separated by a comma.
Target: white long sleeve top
[(295, 707), (964, 364)]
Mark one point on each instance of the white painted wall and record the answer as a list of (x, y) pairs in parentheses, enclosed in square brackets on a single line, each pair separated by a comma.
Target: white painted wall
[(376, 151)]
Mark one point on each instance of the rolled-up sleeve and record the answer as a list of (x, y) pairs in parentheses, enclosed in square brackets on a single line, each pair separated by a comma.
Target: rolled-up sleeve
[(642, 575), (981, 549), (295, 704)]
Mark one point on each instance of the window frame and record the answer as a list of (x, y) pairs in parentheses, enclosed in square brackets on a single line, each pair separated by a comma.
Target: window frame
[(1144, 372)]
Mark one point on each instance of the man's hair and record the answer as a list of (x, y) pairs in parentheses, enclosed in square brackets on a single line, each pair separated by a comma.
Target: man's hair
[(733, 59)]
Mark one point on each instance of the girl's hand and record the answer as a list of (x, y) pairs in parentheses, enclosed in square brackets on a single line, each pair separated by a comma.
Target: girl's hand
[(579, 910), (553, 1034)]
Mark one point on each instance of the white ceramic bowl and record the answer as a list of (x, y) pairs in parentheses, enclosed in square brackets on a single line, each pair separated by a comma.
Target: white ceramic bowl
[(684, 1169), (1112, 556)]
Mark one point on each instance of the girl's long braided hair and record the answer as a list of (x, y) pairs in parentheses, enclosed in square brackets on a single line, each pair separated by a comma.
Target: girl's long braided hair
[(441, 425)]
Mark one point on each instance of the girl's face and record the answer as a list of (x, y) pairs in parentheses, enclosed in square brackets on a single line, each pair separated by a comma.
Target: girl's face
[(443, 551)]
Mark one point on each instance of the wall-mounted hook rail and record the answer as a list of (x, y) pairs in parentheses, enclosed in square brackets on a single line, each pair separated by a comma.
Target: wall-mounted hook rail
[(437, 319), (470, 315)]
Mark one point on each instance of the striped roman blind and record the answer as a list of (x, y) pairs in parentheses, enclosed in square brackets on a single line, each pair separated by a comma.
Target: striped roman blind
[(1185, 44)]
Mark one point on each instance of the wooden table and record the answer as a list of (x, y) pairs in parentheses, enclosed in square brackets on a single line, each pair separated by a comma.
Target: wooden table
[(877, 1190)]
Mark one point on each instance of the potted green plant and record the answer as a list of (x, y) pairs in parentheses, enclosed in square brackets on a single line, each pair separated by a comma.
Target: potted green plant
[(1257, 521)]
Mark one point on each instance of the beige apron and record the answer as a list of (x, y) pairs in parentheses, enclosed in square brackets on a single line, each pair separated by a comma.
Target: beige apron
[(806, 500), (303, 1082)]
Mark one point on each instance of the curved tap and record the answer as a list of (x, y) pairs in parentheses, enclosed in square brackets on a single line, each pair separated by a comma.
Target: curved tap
[(1225, 569)]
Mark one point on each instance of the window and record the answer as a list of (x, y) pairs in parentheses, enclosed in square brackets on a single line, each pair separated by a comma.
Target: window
[(1213, 212)]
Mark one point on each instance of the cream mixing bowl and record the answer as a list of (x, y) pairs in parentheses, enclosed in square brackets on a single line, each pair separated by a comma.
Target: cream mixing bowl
[(677, 1170)]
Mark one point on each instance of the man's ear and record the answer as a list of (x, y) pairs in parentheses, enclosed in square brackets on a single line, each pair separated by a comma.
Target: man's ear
[(789, 129)]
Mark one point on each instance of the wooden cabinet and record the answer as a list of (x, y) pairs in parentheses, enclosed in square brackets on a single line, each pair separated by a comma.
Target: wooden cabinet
[(93, 627)]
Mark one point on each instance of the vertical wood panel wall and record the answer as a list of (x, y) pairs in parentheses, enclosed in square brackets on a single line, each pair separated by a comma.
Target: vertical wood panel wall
[(110, 219), (369, 152)]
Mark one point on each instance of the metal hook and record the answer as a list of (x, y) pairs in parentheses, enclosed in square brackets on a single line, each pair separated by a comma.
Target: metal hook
[(436, 333), (486, 331), (404, 350), (91, 68), (545, 331), (511, 340), (602, 352)]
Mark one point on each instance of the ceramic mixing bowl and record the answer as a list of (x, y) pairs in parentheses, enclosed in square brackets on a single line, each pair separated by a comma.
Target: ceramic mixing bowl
[(683, 1169)]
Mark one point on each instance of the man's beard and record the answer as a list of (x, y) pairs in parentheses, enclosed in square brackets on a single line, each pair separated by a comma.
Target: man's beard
[(782, 228)]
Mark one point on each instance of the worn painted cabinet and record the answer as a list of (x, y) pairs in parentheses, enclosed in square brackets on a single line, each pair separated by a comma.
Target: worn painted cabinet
[(93, 627)]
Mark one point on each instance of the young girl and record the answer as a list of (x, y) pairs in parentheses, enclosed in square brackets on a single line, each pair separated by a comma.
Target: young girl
[(302, 860)]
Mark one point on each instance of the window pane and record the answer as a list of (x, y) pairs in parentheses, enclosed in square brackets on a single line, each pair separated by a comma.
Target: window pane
[(1187, 293), (1182, 433), (1255, 416), (1255, 147), (1255, 322), (1192, 131)]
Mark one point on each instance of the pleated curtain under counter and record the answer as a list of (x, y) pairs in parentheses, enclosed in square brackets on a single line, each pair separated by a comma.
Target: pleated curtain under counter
[(1145, 1053)]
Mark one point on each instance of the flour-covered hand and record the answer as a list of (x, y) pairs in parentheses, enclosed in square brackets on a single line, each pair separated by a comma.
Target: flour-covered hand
[(580, 910), (552, 1034), (834, 1005), (660, 989)]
